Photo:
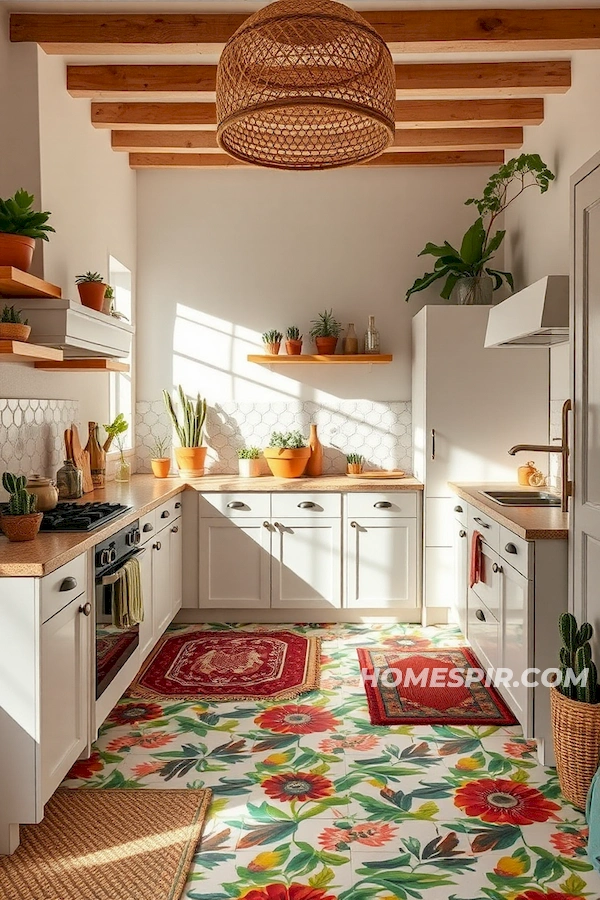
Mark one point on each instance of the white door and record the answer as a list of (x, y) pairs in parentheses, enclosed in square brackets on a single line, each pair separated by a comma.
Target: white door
[(176, 562), (585, 312), (147, 630), (461, 575), (382, 563), (64, 677), (161, 582), (515, 602), (307, 563), (235, 563)]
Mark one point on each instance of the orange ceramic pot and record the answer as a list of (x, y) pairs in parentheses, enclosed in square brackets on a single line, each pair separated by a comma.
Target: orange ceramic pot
[(355, 468), (326, 345), (161, 466), (287, 463), (190, 461), (16, 250), (21, 528), (13, 331), (272, 349), (91, 294), (293, 348)]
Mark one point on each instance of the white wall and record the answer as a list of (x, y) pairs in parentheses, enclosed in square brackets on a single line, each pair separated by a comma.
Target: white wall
[(226, 255)]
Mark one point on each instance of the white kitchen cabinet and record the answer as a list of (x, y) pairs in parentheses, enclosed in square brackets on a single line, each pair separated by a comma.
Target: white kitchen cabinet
[(148, 629), (461, 574), (176, 562), (306, 567), (161, 582), (516, 604), (235, 563), (382, 563)]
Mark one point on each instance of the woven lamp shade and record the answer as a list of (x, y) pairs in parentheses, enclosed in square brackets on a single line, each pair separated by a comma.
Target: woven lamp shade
[(305, 84)]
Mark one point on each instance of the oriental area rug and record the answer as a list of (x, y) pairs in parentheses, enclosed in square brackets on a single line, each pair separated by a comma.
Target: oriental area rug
[(199, 665), (429, 687)]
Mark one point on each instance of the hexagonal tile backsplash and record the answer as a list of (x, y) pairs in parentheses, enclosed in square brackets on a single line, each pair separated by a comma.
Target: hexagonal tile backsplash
[(31, 434), (380, 431)]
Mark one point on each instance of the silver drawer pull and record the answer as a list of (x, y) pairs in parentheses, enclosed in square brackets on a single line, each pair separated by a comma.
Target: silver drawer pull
[(481, 522), (236, 504), (174, 529), (148, 527), (462, 533), (353, 524), (383, 504), (510, 548), (86, 609), (496, 568), (458, 509), (307, 504), (479, 614), (68, 584), (165, 514)]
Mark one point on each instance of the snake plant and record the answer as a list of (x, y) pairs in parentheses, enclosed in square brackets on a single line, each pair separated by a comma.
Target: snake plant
[(190, 430)]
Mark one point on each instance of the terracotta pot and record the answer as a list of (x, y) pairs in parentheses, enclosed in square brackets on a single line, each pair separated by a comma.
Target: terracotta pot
[(272, 349), (161, 466), (293, 348), (249, 468), (355, 469), (91, 294), (16, 250), (315, 464), (12, 331), (21, 528), (190, 461), (287, 463), (44, 491), (326, 345)]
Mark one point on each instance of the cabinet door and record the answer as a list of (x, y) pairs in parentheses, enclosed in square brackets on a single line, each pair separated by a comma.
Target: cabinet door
[(488, 589), (516, 649), (176, 563), (161, 582), (307, 563), (382, 563), (235, 563), (65, 692), (461, 575), (147, 627)]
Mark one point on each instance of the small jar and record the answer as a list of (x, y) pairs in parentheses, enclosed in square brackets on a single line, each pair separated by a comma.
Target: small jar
[(372, 345), (45, 492), (123, 470), (350, 341), (524, 473), (69, 481)]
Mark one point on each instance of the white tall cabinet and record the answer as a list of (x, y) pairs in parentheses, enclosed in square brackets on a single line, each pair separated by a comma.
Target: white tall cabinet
[(470, 404)]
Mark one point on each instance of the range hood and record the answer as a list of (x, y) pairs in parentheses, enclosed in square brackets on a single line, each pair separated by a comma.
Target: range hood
[(79, 332), (537, 316)]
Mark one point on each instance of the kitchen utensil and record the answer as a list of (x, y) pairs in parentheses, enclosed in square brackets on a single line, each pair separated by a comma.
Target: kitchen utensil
[(81, 458), (97, 456), (392, 473), (68, 444)]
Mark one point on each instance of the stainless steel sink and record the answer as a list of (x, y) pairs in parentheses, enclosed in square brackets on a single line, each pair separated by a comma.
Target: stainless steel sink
[(523, 498)]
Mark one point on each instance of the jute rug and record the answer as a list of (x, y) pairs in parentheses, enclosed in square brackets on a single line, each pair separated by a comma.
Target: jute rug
[(424, 688), (107, 845), (230, 665)]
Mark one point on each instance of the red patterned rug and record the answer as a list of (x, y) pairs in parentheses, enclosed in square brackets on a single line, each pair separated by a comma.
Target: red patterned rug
[(423, 687), (231, 665)]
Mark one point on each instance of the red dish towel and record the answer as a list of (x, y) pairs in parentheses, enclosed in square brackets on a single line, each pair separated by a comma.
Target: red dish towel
[(476, 562)]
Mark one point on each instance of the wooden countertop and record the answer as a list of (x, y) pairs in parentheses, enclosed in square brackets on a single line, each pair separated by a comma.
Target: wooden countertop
[(144, 492), (529, 523)]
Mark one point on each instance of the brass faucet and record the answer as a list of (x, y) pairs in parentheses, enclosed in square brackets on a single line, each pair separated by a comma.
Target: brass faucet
[(566, 485)]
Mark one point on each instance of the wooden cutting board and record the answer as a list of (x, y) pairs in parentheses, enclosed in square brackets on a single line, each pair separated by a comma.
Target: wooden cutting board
[(81, 458)]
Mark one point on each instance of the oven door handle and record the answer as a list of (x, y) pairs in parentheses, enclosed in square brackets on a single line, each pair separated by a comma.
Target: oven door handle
[(114, 576)]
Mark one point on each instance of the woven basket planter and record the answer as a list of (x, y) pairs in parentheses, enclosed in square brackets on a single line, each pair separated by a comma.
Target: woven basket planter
[(576, 735), (21, 528)]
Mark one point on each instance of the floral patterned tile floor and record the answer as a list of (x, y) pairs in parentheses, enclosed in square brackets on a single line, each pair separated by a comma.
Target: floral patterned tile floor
[(312, 802)]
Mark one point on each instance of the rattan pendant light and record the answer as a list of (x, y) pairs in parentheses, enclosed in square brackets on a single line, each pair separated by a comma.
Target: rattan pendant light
[(305, 84)]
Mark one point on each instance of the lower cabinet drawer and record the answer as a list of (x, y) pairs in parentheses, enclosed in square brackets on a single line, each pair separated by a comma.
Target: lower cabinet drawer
[(484, 633), (296, 506), (488, 528), (168, 511), (516, 551), (235, 505), (63, 585), (402, 504)]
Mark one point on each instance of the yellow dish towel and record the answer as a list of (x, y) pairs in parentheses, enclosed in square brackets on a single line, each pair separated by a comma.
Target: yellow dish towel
[(128, 602)]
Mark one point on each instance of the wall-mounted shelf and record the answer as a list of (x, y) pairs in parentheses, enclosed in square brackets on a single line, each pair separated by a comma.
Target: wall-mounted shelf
[(263, 359), (84, 365), (15, 283), (22, 352)]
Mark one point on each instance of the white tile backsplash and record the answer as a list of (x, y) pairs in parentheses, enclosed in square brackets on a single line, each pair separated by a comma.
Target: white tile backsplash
[(381, 431), (32, 434)]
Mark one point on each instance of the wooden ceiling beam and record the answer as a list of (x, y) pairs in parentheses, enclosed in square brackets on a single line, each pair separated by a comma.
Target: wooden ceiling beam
[(409, 114), (222, 160), (413, 30), (185, 82)]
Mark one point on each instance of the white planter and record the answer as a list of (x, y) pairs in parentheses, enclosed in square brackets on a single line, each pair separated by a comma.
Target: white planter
[(249, 468)]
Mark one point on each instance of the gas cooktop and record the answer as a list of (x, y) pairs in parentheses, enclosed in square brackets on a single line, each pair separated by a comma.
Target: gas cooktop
[(81, 516)]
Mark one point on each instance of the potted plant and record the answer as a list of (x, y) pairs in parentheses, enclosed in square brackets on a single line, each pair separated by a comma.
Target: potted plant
[(92, 290), (191, 455), (272, 342), (116, 431), (20, 227), (293, 343), (575, 710), (325, 332), (12, 327), (468, 279), (249, 462), (159, 459), (355, 463), (287, 454), (19, 521), (109, 300)]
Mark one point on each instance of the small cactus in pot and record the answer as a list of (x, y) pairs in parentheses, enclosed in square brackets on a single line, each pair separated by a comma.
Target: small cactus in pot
[(293, 341), (19, 520), (272, 341), (355, 463)]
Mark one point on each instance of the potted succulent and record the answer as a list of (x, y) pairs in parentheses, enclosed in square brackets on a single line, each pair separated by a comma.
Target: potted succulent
[(468, 279), (325, 332), (19, 521), (272, 342), (249, 462), (287, 454), (20, 227), (159, 458), (12, 327), (92, 290), (191, 455), (116, 432), (293, 342), (575, 711), (109, 300), (355, 463)]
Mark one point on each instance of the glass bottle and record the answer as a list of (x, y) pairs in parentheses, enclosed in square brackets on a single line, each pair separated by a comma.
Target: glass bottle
[(350, 341), (97, 456), (123, 470), (69, 481), (372, 338)]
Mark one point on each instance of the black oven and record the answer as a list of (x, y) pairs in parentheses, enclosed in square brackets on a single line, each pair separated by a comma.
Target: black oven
[(114, 645)]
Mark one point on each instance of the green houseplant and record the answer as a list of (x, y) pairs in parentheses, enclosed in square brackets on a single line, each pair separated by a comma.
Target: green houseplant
[(325, 332), (190, 455), (19, 521), (20, 227), (287, 454), (249, 462), (116, 431), (272, 341), (575, 710), (92, 290), (355, 463), (160, 460), (12, 326), (467, 274), (293, 341)]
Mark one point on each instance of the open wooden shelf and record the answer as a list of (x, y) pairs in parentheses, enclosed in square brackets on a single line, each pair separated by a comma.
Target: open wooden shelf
[(84, 365), (369, 359), (15, 283), (22, 352)]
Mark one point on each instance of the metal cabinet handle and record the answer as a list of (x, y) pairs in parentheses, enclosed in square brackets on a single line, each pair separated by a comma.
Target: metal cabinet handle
[(353, 524), (266, 524), (382, 504), (481, 522), (308, 504), (86, 609), (174, 529), (462, 533), (148, 527), (433, 443), (479, 614), (510, 548), (235, 504), (458, 509), (278, 525), (178, 505), (157, 545), (496, 568), (68, 584), (165, 514)]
